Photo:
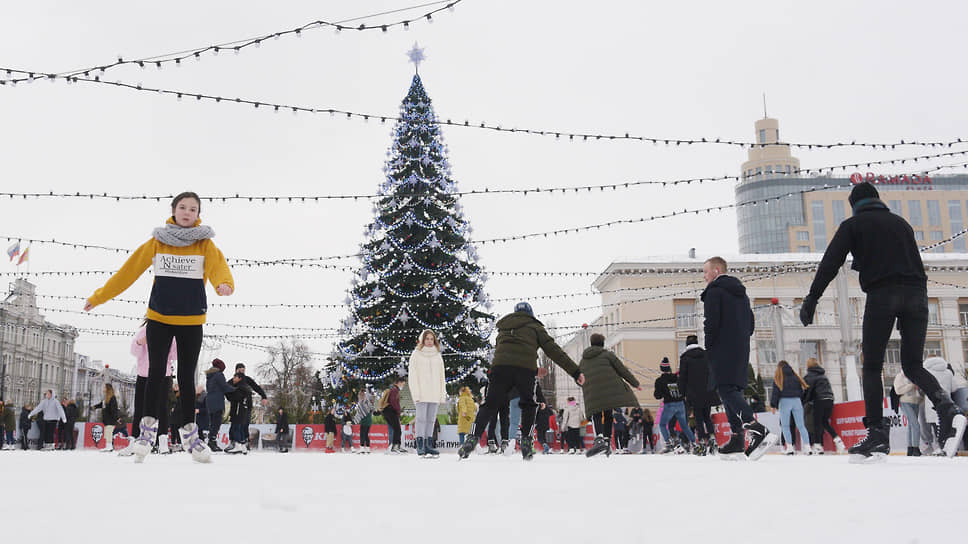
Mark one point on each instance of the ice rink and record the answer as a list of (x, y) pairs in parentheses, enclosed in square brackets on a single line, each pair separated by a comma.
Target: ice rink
[(88, 496)]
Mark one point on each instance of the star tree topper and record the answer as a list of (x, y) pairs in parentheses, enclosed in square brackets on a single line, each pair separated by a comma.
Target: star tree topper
[(416, 56)]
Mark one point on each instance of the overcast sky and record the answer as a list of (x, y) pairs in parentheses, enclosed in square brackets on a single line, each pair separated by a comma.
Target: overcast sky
[(832, 71)]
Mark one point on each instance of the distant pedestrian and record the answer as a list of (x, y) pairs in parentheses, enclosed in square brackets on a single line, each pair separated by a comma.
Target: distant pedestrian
[(787, 392), (51, 412), (821, 394)]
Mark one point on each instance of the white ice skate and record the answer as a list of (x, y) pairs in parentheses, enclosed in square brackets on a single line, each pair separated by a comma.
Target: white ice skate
[(509, 449), (841, 448), (818, 449), (238, 447), (194, 443), (951, 445), (142, 446), (163, 447)]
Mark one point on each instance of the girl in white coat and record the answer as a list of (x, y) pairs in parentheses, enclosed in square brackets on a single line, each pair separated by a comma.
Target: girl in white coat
[(426, 379)]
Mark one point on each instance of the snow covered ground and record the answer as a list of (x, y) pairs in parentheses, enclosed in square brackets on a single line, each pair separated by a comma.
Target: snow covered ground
[(314, 497)]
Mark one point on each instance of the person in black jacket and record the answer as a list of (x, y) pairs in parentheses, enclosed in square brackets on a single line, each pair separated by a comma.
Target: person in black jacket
[(217, 388), (891, 273), (282, 431), (24, 426), (673, 407), (786, 395), (542, 425), (253, 387), (728, 324), (239, 400), (72, 413), (695, 383), (109, 415), (821, 395)]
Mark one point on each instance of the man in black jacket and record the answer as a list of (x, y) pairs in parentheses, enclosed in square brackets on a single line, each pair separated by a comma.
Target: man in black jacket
[(71, 412), (728, 324), (240, 369), (673, 409), (695, 383), (891, 273)]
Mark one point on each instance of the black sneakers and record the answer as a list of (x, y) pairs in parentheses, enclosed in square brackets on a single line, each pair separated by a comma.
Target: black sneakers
[(874, 448), (761, 439), (600, 446)]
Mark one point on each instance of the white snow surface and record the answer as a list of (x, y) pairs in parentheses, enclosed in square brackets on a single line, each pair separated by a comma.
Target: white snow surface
[(267, 496)]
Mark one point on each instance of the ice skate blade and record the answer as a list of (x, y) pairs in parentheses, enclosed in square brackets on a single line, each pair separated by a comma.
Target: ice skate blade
[(873, 459), (951, 445), (768, 442), (738, 456)]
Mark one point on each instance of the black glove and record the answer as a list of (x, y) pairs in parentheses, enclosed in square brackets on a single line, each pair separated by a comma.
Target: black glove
[(807, 309)]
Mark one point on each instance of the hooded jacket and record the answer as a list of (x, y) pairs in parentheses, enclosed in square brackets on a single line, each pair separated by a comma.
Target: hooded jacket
[(571, 417), (178, 291), (958, 381), (109, 412), (818, 386), (938, 368), (51, 408), (883, 246), (217, 388), (792, 388), (466, 411), (140, 352), (425, 374), (606, 381), (728, 324), (518, 339), (910, 394), (694, 378)]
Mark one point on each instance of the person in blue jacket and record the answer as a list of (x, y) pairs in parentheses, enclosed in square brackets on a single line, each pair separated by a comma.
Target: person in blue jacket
[(217, 387)]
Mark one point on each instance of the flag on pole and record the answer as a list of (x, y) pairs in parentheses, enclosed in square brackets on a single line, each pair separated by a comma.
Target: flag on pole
[(23, 256), (13, 250)]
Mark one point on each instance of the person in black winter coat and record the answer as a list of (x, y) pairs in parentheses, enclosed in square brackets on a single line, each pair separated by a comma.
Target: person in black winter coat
[(542, 424), (253, 388), (238, 413), (217, 388), (71, 412), (886, 255), (695, 382), (728, 324), (24, 426), (282, 431), (821, 395)]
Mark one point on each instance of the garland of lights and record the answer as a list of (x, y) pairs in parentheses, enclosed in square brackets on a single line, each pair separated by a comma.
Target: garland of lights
[(162, 60), (558, 135)]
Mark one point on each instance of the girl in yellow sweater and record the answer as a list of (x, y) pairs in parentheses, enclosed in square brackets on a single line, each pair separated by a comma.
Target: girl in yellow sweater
[(184, 257)]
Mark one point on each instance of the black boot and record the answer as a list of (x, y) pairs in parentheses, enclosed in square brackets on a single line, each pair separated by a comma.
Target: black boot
[(914, 451), (527, 448), (600, 446), (470, 442), (761, 439), (735, 448), (874, 447)]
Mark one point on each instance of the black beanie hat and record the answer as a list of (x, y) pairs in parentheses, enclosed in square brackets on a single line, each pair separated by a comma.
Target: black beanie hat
[(664, 366), (862, 191)]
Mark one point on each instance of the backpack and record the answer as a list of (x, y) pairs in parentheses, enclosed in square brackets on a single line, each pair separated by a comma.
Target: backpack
[(384, 400)]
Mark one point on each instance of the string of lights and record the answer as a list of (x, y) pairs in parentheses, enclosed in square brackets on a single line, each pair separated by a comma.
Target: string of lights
[(492, 127), (175, 58), (284, 199)]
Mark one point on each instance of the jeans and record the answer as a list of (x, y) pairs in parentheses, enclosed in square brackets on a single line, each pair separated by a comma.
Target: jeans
[(393, 425), (738, 411), (675, 410), (910, 411), (793, 405), (822, 410), (514, 419), (424, 422), (908, 305), (214, 424), (9, 433), (460, 438), (235, 432)]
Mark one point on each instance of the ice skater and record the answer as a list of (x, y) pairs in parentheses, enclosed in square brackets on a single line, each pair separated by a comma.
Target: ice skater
[(184, 258), (606, 388), (139, 349), (728, 324), (515, 363), (891, 273), (425, 374)]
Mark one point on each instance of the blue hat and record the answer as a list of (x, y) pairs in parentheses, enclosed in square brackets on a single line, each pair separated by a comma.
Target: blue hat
[(524, 307)]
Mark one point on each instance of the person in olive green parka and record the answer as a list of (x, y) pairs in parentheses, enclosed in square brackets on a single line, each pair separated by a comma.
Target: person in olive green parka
[(606, 388)]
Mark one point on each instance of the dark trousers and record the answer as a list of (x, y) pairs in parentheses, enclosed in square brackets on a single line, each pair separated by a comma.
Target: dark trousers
[(738, 411), (393, 425), (621, 439), (23, 437), (214, 424), (602, 422), (49, 428), (647, 436), (573, 437), (908, 306), (246, 416), (704, 421), (364, 436), (502, 415), (70, 441), (283, 440), (159, 336), (140, 385), (503, 378), (822, 409)]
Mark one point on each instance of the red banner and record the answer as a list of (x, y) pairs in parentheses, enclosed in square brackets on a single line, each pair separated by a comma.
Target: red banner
[(94, 437)]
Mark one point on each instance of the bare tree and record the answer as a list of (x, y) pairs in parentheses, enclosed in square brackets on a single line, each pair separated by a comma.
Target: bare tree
[(288, 374)]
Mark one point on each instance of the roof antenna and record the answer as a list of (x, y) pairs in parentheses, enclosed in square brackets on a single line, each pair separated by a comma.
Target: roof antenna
[(764, 106)]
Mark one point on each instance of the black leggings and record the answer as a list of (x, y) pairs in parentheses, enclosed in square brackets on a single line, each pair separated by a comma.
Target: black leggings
[(909, 307), (704, 421), (159, 336), (214, 424), (603, 424), (504, 416), (822, 409), (393, 424), (364, 436)]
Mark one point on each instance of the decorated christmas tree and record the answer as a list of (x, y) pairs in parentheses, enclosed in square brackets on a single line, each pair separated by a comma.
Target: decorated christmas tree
[(419, 270)]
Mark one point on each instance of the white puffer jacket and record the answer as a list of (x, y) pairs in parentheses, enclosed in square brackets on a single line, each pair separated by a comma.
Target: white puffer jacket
[(425, 375), (571, 419), (959, 381), (909, 392), (938, 367)]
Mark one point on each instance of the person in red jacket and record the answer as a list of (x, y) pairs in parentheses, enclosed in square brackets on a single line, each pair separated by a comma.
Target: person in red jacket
[(392, 414)]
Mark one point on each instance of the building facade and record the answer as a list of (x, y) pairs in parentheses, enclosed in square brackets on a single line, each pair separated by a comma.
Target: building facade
[(936, 206), (650, 306)]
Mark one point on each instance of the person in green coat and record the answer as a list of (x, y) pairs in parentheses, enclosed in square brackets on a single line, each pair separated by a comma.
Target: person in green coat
[(515, 366), (606, 387)]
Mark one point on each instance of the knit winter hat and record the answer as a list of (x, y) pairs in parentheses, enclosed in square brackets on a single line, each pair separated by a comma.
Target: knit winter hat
[(664, 366), (862, 191), (524, 307), (217, 363), (239, 365)]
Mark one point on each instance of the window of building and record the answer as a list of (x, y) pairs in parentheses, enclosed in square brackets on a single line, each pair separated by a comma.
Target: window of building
[(934, 213), (963, 315), (789, 169), (759, 170), (895, 206), (778, 135), (685, 314), (837, 209), (937, 236), (955, 217), (810, 349), (964, 349), (914, 212), (803, 249), (932, 348), (762, 135), (819, 225), (803, 236), (766, 354), (762, 313), (769, 169), (934, 317), (919, 235)]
